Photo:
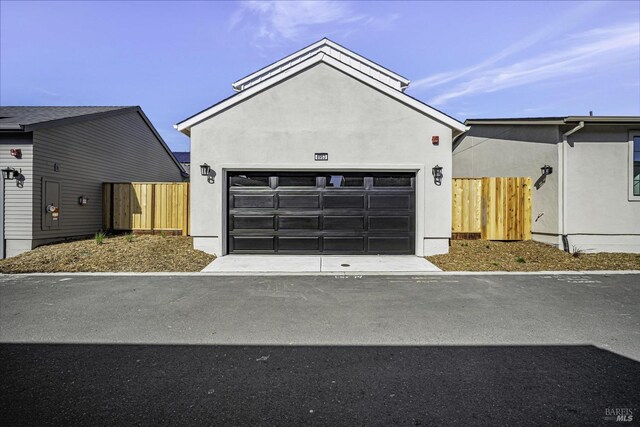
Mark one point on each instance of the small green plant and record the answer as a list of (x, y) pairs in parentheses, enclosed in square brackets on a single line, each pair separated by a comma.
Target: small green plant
[(163, 234), (576, 252), (464, 244), (129, 237), (520, 260), (497, 264), (99, 237), (488, 246)]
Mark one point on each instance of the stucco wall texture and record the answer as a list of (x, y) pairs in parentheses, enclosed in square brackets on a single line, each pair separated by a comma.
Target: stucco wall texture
[(599, 215), (322, 110)]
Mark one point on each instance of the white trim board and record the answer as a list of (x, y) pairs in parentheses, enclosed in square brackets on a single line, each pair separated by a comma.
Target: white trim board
[(331, 48)]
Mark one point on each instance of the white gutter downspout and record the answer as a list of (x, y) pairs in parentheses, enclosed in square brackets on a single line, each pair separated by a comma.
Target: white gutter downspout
[(562, 187)]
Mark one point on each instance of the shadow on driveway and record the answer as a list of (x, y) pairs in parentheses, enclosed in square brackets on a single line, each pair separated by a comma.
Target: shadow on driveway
[(76, 384)]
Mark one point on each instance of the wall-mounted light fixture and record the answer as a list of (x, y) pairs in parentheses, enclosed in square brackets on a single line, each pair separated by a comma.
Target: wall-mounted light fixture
[(11, 173), (205, 170), (546, 170), (437, 174), (83, 200)]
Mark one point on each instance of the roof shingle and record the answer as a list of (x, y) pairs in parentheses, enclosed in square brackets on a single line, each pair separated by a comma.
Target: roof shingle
[(25, 116)]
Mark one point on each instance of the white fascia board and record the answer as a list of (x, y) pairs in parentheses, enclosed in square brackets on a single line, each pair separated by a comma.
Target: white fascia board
[(368, 62), (319, 46), (321, 57), (268, 68), (247, 93)]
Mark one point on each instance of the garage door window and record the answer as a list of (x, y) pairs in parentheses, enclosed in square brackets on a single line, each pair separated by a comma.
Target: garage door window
[(338, 181), (297, 181), (249, 180), (392, 181)]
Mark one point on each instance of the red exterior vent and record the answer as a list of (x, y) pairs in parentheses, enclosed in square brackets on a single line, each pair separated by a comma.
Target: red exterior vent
[(16, 152), (435, 140)]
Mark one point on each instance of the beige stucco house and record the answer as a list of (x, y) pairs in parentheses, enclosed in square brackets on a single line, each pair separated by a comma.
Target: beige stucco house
[(589, 199), (321, 152)]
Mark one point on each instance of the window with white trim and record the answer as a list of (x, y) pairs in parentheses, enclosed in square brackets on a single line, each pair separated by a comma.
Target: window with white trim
[(634, 154)]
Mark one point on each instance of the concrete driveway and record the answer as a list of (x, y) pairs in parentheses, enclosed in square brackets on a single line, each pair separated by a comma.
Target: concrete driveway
[(291, 264)]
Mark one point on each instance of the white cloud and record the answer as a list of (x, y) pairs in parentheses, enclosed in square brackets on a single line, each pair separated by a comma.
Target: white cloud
[(574, 55), (560, 24), (292, 20)]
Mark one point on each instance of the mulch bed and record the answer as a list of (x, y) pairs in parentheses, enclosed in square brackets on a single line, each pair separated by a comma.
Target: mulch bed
[(116, 254), (482, 255)]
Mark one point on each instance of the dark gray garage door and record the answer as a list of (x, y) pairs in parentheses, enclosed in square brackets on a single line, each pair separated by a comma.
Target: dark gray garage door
[(329, 213)]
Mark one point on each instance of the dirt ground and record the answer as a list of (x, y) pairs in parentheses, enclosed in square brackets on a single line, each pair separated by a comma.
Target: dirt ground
[(116, 254), (482, 255)]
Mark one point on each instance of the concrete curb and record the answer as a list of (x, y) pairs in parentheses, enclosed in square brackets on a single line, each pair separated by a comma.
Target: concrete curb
[(340, 273)]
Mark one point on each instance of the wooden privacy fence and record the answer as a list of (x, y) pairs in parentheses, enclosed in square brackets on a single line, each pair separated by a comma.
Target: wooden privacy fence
[(146, 207), (492, 208)]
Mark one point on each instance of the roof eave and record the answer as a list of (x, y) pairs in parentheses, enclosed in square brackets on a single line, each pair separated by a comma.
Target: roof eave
[(621, 120), (404, 82), (11, 126)]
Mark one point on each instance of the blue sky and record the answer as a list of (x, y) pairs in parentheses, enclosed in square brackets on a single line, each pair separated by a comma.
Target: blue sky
[(468, 59)]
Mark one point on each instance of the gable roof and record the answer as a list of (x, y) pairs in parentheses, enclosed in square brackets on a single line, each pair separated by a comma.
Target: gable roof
[(320, 57), (29, 118), (332, 49)]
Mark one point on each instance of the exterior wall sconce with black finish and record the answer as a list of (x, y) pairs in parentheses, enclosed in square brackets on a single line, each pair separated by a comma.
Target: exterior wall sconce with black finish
[(11, 173), (437, 174), (546, 170), (205, 170)]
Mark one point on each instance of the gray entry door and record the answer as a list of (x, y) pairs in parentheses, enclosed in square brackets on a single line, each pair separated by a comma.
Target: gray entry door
[(327, 213)]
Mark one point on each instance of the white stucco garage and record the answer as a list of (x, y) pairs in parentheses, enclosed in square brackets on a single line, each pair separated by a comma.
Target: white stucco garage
[(321, 152)]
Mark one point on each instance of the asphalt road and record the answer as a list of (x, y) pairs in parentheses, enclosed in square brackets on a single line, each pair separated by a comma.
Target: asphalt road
[(193, 350)]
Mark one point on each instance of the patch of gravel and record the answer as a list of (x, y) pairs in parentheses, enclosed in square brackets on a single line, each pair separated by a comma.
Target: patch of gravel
[(143, 253), (482, 255)]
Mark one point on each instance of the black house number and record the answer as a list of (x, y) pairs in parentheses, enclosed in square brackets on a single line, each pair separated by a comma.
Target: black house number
[(321, 157)]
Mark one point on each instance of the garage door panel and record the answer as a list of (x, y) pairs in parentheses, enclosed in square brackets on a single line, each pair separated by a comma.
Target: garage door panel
[(327, 219), (253, 243), (299, 243), (299, 201), (253, 201), (390, 223), (340, 201), (389, 201), (243, 222), (343, 244), (390, 244), (298, 222), (338, 222)]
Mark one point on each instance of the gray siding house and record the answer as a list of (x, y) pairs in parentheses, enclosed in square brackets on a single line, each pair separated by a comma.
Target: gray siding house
[(590, 198), (55, 160), (321, 152)]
